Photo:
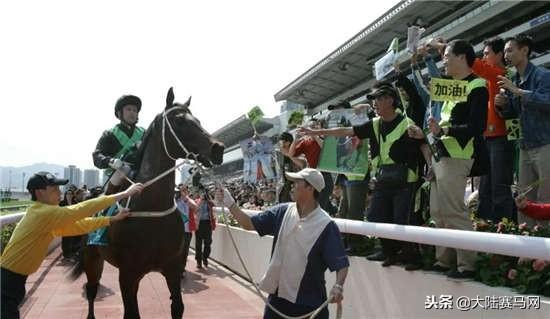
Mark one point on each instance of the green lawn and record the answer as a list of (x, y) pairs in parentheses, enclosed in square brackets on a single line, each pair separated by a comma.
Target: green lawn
[(14, 203), (4, 206)]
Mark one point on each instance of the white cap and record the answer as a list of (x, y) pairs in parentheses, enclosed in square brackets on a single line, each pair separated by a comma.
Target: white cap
[(310, 175)]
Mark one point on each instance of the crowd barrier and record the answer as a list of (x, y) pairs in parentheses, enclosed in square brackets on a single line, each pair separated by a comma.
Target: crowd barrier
[(372, 291), (503, 244)]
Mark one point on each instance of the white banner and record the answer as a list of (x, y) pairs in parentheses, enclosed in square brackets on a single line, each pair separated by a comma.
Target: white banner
[(384, 66), (413, 37)]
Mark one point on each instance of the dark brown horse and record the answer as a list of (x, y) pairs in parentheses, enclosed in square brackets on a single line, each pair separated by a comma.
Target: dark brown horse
[(139, 245)]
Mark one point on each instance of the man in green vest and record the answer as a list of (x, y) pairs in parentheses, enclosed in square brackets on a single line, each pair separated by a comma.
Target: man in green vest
[(394, 168), (116, 149), (460, 131)]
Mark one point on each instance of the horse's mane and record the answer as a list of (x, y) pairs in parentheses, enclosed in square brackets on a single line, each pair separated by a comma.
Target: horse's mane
[(144, 142)]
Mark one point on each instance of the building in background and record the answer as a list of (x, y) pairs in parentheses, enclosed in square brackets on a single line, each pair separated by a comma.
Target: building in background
[(74, 175), (91, 178)]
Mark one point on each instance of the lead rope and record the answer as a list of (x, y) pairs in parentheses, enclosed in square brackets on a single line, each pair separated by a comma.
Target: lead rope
[(310, 315), (194, 156)]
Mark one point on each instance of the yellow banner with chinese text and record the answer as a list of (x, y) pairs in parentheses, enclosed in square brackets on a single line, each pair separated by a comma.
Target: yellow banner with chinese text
[(448, 90)]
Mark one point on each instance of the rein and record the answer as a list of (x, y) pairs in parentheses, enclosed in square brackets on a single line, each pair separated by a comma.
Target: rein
[(194, 156), (190, 156)]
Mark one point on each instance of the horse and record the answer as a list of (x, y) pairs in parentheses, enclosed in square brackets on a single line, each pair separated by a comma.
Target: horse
[(138, 246)]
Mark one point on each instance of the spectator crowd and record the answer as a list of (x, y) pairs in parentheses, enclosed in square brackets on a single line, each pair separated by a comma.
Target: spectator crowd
[(423, 153)]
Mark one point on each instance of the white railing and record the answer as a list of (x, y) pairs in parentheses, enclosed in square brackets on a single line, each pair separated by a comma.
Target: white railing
[(11, 219), (503, 244)]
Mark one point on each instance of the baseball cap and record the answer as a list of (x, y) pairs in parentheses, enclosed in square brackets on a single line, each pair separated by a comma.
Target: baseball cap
[(385, 89), (310, 175), (42, 179)]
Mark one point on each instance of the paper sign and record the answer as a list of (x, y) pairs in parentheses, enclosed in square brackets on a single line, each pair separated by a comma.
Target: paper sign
[(384, 66), (413, 37), (258, 159), (448, 90)]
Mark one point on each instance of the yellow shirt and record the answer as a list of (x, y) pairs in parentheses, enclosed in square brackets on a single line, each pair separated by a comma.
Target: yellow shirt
[(29, 242)]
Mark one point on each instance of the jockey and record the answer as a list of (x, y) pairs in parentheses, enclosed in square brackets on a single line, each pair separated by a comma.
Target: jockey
[(117, 147)]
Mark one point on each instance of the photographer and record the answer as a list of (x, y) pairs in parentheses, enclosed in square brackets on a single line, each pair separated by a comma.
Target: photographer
[(207, 224)]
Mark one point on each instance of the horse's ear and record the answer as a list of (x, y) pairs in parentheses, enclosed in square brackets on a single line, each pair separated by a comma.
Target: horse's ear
[(187, 103), (170, 98)]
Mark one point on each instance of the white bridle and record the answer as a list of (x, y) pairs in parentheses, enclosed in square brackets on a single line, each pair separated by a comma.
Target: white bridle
[(189, 156)]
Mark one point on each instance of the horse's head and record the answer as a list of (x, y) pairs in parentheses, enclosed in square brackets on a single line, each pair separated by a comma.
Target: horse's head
[(181, 128)]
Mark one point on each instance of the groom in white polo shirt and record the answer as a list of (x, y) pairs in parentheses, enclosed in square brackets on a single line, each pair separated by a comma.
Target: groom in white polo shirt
[(306, 242)]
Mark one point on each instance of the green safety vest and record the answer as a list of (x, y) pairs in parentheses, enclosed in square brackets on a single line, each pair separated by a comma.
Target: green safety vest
[(126, 142), (383, 157), (451, 144)]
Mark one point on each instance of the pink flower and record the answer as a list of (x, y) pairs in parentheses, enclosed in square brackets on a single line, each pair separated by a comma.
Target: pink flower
[(539, 265), (522, 226), (500, 227), (512, 274), (536, 228)]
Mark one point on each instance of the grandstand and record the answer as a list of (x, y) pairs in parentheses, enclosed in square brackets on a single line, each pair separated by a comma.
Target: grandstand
[(347, 72)]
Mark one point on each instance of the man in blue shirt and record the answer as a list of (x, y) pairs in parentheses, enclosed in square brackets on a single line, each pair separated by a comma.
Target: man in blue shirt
[(306, 242), (528, 94)]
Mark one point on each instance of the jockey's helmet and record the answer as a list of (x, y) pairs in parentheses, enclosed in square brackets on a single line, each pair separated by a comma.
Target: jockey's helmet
[(127, 100)]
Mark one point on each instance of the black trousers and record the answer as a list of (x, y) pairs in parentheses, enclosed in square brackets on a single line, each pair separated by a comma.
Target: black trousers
[(203, 240), (495, 195), (324, 196), (394, 206), (186, 243), (356, 196), (13, 292)]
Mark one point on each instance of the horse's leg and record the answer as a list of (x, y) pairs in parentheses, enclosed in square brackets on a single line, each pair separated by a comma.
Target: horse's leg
[(129, 284), (172, 273), (93, 265)]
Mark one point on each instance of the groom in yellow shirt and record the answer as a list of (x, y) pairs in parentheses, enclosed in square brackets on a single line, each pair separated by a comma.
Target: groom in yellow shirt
[(44, 221)]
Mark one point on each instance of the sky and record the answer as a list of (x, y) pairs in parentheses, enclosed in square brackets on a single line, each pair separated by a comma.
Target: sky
[(63, 64)]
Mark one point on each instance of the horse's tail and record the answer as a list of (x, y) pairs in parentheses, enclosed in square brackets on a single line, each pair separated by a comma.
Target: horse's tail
[(78, 267)]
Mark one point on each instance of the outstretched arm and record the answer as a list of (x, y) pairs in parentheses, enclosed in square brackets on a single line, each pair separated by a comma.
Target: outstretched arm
[(224, 198), (337, 131)]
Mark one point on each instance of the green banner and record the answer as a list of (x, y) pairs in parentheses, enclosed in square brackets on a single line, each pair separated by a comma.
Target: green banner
[(448, 90), (295, 119), (344, 155), (255, 115)]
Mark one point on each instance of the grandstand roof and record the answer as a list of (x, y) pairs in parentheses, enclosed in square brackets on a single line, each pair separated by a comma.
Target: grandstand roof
[(352, 63), (240, 129)]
